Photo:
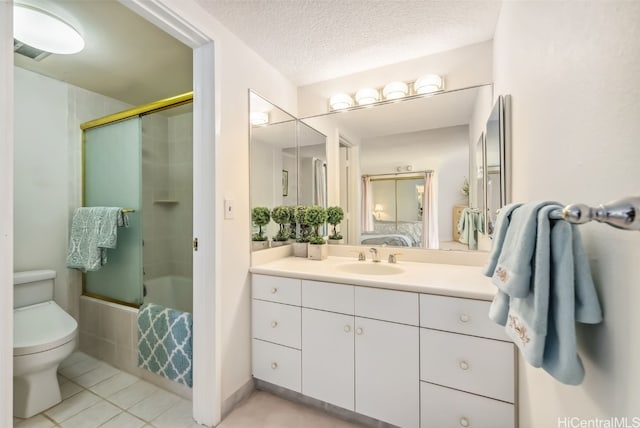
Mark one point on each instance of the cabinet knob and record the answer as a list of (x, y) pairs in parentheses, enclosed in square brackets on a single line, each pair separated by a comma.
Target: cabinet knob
[(274, 324), (347, 328), (274, 290), (464, 318), (464, 422), (464, 365), (274, 365), (359, 330)]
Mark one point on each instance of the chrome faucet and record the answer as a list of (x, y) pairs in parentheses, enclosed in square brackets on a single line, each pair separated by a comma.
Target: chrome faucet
[(374, 255)]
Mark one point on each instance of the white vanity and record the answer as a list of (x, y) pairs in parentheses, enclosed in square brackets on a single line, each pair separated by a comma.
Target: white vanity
[(412, 348)]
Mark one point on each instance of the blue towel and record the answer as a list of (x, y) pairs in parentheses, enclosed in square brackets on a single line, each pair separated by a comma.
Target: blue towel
[(165, 344), (93, 231), (470, 224), (559, 288)]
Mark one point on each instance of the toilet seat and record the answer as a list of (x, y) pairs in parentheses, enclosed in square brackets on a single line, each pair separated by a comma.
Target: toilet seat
[(41, 327)]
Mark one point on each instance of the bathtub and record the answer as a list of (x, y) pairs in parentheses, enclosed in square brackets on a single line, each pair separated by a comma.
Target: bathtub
[(170, 291)]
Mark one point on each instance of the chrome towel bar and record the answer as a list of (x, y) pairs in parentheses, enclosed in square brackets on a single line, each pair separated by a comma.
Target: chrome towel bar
[(622, 213)]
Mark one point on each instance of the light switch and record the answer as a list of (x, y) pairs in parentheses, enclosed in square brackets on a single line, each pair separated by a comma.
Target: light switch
[(229, 210)]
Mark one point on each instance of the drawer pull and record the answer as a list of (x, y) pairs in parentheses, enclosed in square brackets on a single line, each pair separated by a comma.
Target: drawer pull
[(274, 290), (274, 366), (464, 422), (347, 328), (464, 318), (464, 365), (274, 324), (359, 330)]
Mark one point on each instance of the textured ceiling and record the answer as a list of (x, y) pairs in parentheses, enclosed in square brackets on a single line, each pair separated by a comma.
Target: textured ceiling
[(315, 40)]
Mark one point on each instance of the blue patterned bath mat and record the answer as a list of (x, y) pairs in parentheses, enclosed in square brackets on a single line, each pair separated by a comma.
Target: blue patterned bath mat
[(165, 342)]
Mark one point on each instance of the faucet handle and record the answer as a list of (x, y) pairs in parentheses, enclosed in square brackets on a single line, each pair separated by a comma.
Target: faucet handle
[(361, 256), (393, 257)]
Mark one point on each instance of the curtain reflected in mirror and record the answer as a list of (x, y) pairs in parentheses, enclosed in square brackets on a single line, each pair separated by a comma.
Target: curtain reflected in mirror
[(400, 210)]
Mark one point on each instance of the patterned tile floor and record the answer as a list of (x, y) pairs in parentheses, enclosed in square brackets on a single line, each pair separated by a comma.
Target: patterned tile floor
[(94, 394)]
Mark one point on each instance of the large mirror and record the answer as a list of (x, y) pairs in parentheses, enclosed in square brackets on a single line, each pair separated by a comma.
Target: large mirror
[(404, 168), (288, 163)]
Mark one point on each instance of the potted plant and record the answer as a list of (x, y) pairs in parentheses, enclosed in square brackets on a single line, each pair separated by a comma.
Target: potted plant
[(281, 215), (260, 217), (292, 224), (302, 238), (334, 217), (315, 216)]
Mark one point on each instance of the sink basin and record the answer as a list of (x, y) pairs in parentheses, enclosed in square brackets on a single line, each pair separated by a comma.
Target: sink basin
[(369, 268)]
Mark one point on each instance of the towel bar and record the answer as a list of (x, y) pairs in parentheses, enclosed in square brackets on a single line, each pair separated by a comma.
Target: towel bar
[(127, 210), (622, 213)]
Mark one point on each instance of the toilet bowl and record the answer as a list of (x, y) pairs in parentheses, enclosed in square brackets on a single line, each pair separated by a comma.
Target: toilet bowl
[(43, 336)]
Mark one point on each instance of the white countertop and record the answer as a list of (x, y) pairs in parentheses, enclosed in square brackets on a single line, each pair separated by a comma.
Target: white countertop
[(430, 278)]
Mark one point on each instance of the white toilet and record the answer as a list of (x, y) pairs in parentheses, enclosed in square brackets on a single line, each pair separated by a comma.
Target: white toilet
[(43, 336)]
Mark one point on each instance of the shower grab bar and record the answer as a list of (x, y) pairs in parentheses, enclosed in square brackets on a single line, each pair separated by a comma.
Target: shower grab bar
[(622, 213)]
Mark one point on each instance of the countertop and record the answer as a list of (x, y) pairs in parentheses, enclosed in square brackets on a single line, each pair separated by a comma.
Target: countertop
[(430, 278)]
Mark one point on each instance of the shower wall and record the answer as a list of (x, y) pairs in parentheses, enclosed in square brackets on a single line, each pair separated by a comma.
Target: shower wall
[(167, 194)]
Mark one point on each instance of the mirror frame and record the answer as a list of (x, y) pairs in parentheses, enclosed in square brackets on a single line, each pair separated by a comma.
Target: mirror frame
[(502, 111)]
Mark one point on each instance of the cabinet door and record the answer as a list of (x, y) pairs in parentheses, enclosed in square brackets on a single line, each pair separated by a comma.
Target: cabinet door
[(387, 372), (327, 357)]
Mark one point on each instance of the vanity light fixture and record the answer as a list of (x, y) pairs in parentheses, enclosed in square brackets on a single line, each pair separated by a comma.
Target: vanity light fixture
[(428, 84), (395, 90), (340, 101), (259, 118), (367, 96), (45, 31)]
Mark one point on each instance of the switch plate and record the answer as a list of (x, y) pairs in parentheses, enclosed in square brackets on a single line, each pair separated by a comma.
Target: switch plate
[(229, 209)]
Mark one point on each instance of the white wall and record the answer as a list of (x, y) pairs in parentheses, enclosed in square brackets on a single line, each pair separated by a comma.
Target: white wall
[(573, 70), (237, 70), (48, 114), (461, 68)]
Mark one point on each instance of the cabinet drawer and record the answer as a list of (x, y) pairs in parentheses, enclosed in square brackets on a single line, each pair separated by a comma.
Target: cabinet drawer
[(276, 289), (327, 296), (277, 364), (387, 305), (278, 323), (459, 315), (447, 408), (473, 364)]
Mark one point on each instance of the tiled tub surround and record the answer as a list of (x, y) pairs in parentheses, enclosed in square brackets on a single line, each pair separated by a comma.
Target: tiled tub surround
[(109, 332), (349, 339)]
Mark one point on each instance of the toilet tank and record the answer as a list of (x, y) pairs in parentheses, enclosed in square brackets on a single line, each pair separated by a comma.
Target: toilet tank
[(31, 287)]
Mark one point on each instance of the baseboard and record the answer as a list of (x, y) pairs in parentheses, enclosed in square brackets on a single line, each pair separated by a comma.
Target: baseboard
[(237, 397), (339, 412)]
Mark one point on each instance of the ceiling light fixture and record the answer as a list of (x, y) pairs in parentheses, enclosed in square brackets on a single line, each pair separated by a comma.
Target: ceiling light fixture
[(395, 90), (367, 96), (45, 31), (259, 118), (340, 101), (428, 84)]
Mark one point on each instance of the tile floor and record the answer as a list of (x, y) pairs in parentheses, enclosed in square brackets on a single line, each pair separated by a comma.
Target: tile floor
[(94, 394)]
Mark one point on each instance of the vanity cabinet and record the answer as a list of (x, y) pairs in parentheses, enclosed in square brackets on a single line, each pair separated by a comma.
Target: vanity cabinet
[(408, 359)]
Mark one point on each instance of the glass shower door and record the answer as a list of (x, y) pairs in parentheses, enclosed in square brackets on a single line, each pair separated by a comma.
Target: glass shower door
[(112, 177)]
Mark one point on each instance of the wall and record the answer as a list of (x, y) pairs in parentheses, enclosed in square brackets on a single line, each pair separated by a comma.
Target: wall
[(48, 114), (461, 68), (237, 70), (572, 69)]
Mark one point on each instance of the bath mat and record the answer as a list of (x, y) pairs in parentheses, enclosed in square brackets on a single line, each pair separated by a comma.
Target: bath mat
[(165, 343)]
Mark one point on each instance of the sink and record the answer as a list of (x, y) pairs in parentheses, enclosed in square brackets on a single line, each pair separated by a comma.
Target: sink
[(364, 268)]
